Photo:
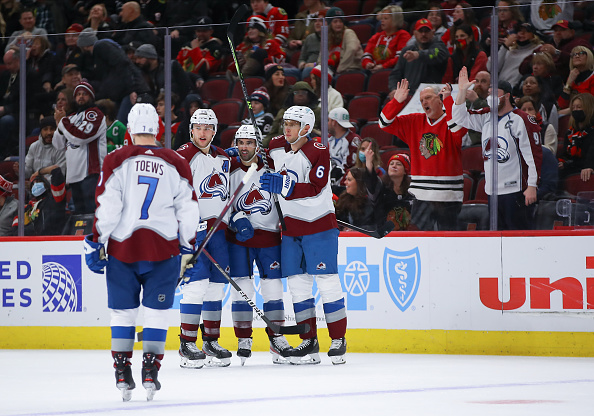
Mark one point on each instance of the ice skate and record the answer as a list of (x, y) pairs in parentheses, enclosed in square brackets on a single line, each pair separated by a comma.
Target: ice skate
[(190, 355), (337, 351), (280, 349), (216, 356), (123, 374), (306, 353), (244, 349), (150, 373)]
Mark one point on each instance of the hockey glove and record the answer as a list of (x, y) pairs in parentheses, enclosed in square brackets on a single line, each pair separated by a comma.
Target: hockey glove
[(232, 152), (95, 255), (242, 226), (187, 269), (277, 184)]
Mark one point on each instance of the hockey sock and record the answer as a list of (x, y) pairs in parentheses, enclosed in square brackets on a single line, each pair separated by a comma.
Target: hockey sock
[(190, 321), (241, 311), (336, 319), (275, 311), (305, 313), (211, 317)]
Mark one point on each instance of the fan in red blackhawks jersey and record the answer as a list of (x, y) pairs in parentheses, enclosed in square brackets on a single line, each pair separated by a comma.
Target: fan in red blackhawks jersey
[(276, 19), (83, 135), (254, 235), (203, 292), (435, 144), (147, 213), (309, 247), (519, 153)]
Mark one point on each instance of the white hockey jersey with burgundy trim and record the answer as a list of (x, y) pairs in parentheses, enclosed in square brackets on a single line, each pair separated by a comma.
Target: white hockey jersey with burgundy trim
[(211, 181), (309, 209), (146, 207)]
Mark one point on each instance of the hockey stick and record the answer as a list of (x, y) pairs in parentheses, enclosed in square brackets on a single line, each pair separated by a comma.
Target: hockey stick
[(241, 12), (277, 329), (379, 233)]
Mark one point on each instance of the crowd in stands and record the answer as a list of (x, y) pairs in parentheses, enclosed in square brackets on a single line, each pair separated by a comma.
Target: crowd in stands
[(115, 50)]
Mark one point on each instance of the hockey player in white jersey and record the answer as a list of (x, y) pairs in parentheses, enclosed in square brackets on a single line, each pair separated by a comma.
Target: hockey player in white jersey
[(254, 235), (146, 212), (309, 247), (202, 295)]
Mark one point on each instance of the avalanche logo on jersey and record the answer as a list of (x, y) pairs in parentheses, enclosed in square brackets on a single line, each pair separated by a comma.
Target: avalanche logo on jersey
[(255, 200), (291, 173), (402, 274), (502, 149), (62, 283), (214, 185)]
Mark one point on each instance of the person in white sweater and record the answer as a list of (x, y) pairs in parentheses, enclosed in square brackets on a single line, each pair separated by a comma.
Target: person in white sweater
[(335, 99)]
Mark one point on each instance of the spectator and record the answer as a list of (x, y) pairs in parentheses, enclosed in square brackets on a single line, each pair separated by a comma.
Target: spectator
[(42, 156), (354, 205), (475, 100), (578, 152), (467, 53), (43, 15), (545, 104), (515, 48), (335, 99), (275, 18), (311, 47), (134, 27), (425, 61), (161, 110), (203, 55), (68, 52), (548, 133), (276, 86), (8, 207), (544, 14), (27, 21), (260, 100), (360, 158), (344, 47), (117, 78), (99, 21), (45, 214), (257, 50), (304, 24), (510, 16), (581, 79), (183, 14), (542, 66), (462, 14), (65, 100), (153, 72), (192, 103), (391, 199), (9, 103), (11, 12), (342, 143), (42, 61), (564, 40), (82, 135), (383, 48), (116, 130), (71, 77), (435, 153), (438, 19)]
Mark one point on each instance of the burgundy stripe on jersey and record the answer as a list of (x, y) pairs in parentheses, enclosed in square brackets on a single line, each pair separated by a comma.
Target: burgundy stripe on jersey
[(296, 228), (143, 245), (93, 159)]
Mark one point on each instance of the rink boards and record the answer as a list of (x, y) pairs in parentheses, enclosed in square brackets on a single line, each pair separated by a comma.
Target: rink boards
[(461, 293)]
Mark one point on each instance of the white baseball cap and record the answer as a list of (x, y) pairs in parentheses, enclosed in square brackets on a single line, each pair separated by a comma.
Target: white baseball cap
[(341, 115)]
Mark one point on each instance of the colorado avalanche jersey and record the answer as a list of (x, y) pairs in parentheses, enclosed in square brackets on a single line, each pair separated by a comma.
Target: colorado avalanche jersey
[(211, 180), (519, 152), (257, 204), (83, 136), (146, 207), (435, 151), (309, 208)]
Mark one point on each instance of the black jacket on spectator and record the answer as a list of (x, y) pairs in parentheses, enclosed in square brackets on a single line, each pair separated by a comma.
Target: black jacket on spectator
[(128, 32), (180, 81)]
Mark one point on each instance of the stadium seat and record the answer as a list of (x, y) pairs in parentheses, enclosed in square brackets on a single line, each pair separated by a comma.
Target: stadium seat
[(472, 159), (228, 111), (350, 84), (290, 79), (364, 31), (468, 187), (368, 7), (215, 89), (79, 224), (473, 217), (574, 184), (251, 84), (378, 82), (480, 195), (349, 7), (227, 136), (295, 58), (383, 138), (364, 108)]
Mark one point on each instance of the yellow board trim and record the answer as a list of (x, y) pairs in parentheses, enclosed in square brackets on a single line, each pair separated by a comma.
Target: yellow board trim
[(562, 344)]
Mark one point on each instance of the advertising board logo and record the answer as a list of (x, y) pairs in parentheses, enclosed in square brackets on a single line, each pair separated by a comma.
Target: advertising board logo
[(62, 283), (358, 278), (402, 274)]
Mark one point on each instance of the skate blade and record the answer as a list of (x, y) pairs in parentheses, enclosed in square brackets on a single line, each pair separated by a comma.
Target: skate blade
[(216, 362), (194, 364), (306, 360), (243, 359), (126, 392), (279, 359), (338, 359), (151, 389)]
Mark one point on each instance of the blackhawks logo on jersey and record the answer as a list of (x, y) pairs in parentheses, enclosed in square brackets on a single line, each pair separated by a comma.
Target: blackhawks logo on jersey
[(430, 145)]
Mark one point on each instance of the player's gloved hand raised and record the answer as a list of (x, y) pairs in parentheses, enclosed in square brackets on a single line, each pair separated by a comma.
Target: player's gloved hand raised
[(277, 184), (232, 152), (95, 255), (242, 226)]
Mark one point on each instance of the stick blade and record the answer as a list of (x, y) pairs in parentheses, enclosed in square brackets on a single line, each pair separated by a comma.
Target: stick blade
[(240, 13), (293, 329)]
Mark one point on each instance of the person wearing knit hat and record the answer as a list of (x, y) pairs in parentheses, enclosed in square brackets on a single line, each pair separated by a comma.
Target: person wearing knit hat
[(260, 100), (8, 207), (86, 39), (404, 160), (146, 51), (344, 47), (85, 86), (257, 23), (260, 96), (335, 99), (271, 69), (75, 28), (277, 87)]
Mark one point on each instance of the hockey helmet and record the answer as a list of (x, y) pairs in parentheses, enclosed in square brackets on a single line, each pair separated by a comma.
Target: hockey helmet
[(143, 119), (204, 116), (246, 131), (304, 115)]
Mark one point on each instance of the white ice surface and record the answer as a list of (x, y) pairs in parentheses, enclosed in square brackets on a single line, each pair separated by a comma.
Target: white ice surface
[(82, 383)]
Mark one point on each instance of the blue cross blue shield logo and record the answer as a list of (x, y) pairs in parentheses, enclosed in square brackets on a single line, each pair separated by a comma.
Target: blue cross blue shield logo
[(358, 278), (402, 274)]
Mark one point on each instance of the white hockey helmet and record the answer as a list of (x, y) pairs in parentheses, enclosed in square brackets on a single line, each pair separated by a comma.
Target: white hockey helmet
[(303, 115), (204, 116), (246, 131), (143, 119)]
